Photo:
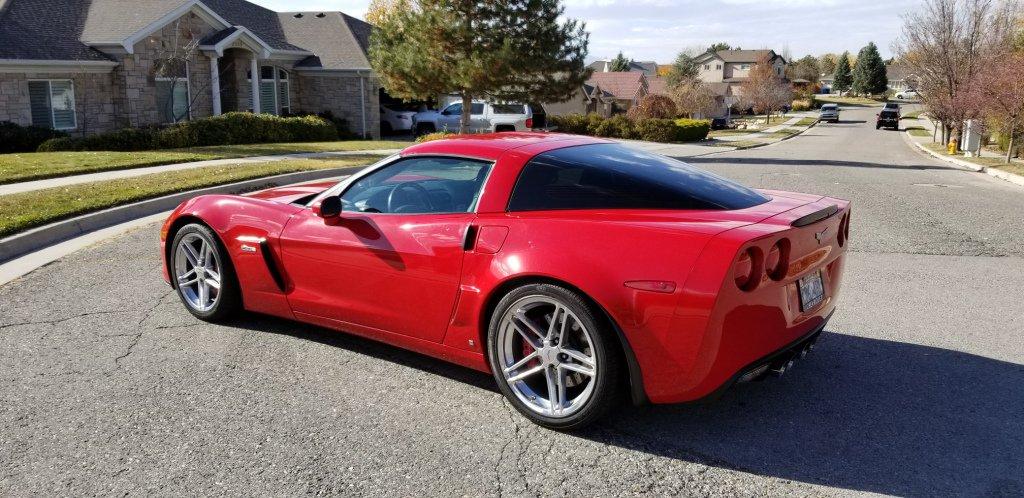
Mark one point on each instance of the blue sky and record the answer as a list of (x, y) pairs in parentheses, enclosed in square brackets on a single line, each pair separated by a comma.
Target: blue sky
[(659, 29)]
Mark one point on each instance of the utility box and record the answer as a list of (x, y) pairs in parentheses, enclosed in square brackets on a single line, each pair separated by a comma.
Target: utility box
[(972, 137)]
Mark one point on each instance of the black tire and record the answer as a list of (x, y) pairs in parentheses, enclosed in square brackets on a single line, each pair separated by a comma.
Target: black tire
[(385, 128), (424, 128), (608, 385), (877, 126), (229, 300)]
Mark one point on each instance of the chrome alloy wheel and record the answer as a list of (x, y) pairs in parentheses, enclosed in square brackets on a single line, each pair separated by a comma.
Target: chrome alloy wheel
[(197, 270), (547, 356)]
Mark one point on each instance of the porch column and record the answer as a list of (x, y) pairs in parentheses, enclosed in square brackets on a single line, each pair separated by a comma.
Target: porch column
[(215, 84), (255, 72)]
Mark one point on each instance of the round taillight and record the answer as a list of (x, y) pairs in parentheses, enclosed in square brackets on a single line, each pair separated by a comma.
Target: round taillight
[(747, 269), (529, 123), (776, 263), (841, 233)]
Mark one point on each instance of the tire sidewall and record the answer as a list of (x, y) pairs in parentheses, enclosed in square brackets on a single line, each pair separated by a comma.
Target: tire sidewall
[(607, 378), (229, 300)]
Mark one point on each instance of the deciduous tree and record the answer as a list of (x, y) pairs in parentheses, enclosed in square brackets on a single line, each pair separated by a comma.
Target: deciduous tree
[(1000, 92), (513, 50), (763, 90), (653, 106), (806, 67), (693, 98), (827, 63)]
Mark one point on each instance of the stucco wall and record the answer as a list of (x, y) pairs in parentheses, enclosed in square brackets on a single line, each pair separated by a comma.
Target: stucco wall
[(340, 95), (94, 106)]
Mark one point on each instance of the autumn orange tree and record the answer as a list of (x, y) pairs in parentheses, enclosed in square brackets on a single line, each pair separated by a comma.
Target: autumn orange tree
[(764, 90), (1000, 92)]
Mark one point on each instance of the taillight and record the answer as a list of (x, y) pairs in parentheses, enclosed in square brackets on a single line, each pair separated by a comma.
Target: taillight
[(776, 264), (747, 269), (529, 122), (844, 230)]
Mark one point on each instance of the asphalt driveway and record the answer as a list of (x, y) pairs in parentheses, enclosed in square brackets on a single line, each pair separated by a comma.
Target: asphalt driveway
[(107, 386)]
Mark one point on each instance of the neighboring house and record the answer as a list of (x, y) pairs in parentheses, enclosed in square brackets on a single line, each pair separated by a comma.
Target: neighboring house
[(589, 99), (826, 82), (733, 66), (88, 66), (625, 89), (649, 68), (900, 78)]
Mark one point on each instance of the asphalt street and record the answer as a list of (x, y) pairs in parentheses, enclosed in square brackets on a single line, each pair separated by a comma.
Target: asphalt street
[(108, 386)]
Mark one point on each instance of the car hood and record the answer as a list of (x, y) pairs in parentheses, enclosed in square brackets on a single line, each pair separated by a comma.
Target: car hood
[(292, 193)]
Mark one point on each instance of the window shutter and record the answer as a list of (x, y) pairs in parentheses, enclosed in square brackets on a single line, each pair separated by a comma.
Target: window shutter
[(283, 98), (62, 99), (39, 98), (267, 97), (180, 101)]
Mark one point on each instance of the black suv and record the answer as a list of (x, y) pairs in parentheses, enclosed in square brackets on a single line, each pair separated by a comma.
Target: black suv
[(889, 117)]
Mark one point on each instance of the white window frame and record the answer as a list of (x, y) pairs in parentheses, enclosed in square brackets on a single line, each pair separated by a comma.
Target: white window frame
[(188, 94), (276, 80), (49, 100)]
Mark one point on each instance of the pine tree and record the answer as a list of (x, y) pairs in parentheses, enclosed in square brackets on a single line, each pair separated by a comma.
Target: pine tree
[(869, 72), (510, 50), (843, 79), (620, 64)]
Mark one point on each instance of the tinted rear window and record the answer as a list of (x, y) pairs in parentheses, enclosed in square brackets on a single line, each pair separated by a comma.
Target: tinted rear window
[(611, 176), (509, 109), (888, 114)]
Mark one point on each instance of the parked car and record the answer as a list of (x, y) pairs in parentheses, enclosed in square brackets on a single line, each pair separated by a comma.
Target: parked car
[(394, 120), (907, 95), (571, 269), (719, 123), (889, 118), (483, 117), (829, 112)]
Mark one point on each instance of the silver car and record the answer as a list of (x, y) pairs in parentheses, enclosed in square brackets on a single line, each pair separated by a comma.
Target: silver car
[(829, 112)]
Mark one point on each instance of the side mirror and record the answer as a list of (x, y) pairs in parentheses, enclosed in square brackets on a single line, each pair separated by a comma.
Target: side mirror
[(329, 208)]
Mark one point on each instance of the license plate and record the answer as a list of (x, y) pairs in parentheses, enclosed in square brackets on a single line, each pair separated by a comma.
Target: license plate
[(812, 291)]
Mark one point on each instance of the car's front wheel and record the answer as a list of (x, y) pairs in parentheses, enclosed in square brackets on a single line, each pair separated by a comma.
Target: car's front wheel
[(553, 357), (203, 275)]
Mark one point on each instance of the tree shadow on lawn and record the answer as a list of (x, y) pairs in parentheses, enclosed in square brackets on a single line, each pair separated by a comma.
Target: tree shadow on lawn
[(858, 413)]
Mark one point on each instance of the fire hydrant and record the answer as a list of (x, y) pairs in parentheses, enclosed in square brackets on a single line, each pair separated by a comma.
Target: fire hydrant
[(951, 148)]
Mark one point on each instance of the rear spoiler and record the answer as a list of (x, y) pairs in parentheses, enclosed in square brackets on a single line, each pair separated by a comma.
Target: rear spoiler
[(815, 217)]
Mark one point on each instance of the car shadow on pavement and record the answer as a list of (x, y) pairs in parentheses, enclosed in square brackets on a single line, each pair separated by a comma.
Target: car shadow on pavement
[(762, 161), (861, 414)]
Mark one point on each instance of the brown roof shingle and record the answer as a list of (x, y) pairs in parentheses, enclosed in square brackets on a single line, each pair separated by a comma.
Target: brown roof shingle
[(622, 85)]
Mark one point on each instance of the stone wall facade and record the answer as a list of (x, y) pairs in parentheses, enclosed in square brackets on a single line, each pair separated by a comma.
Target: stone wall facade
[(340, 95), (94, 105)]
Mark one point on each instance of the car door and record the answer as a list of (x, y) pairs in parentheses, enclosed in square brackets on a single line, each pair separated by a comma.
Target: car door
[(450, 117), (393, 261)]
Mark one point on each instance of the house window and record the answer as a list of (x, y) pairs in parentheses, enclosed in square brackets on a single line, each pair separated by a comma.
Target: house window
[(718, 66), (745, 67), (53, 104), (707, 66), (275, 90), (172, 92)]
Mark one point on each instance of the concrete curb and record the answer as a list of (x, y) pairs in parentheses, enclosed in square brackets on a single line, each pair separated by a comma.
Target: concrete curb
[(40, 237), (1005, 175), (969, 166)]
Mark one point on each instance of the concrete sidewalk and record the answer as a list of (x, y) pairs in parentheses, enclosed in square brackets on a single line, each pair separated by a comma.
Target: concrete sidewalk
[(14, 188), (762, 134)]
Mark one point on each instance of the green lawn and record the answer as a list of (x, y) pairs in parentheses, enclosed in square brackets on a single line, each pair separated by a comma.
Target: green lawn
[(39, 165), (912, 115), (26, 210), (776, 119), (851, 101), (806, 122), (739, 144), (729, 132), (989, 161), (917, 131)]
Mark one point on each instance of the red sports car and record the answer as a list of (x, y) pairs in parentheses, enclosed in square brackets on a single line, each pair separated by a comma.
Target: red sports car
[(573, 269)]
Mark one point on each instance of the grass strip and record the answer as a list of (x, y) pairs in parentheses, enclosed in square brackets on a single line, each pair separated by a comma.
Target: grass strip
[(993, 161), (918, 131), (806, 122), (25, 167), (22, 211)]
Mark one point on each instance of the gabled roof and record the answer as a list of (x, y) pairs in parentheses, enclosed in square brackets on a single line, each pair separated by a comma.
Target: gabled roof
[(339, 41), (621, 85), (658, 85), (739, 56)]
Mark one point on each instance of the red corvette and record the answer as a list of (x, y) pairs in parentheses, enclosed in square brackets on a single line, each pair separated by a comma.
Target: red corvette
[(573, 269)]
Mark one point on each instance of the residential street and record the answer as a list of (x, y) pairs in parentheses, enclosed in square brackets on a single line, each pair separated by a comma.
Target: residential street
[(108, 386)]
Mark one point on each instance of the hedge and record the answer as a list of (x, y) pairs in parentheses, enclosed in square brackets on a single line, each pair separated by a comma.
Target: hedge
[(17, 138), (226, 129), (619, 126)]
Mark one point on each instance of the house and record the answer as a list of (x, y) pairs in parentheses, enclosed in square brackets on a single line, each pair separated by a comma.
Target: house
[(649, 68), (733, 66), (589, 99), (624, 89), (89, 66), (900, 78)]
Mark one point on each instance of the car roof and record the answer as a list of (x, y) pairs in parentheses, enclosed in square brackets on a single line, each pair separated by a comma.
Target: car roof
[(490, 146), (829, 105)]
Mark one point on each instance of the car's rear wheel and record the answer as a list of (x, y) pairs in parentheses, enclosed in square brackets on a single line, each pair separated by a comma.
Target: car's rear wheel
[(203, 275), (553, 357)]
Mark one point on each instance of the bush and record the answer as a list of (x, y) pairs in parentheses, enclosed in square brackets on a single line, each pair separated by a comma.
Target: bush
[(657, 130), (692, 130), (617, 126), (801, 105), (437, 135), (227, 129), (17, 138), (653, 106)]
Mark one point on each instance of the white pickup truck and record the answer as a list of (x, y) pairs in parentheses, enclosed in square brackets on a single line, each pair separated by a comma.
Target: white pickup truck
[(484, 117)]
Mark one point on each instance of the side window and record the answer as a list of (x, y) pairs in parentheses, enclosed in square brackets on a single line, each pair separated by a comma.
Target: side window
[(453, 110), (611, 176), (419, 185), (476, 109)]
